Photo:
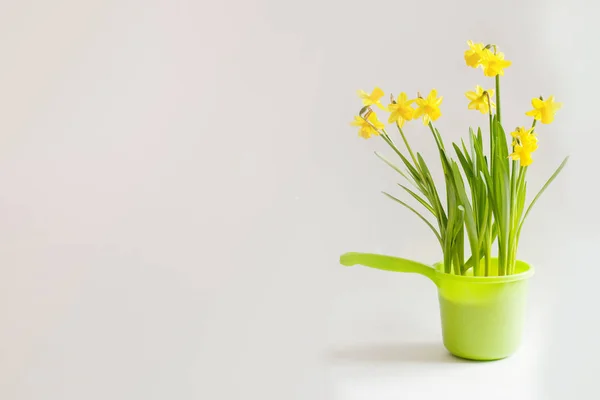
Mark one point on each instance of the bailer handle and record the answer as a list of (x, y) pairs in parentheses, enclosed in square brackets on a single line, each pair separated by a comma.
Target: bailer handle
[(388, 263)]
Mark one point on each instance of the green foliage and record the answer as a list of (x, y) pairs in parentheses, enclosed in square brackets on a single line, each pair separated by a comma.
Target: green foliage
[(485, 198)]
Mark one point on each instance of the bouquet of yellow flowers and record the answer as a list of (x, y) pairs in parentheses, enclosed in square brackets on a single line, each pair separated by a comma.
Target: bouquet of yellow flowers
[(481, 295), (485, 193)]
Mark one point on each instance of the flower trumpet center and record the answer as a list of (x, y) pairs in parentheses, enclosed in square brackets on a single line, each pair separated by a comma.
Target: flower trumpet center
[(428, 109)]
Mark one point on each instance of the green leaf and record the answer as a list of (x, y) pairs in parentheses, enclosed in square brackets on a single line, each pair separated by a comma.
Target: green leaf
[(419, 199), (395, 168), (464, 200), (521, 196), (484, 199), (434, 197), (535, 199), (445, 161), (418, 214), (423, 166), (481, 161), (465, 152), (453, 245), (472, 141), (449, 236), (502, 184), (460, 244), (460, 220), (503, 146), (411, 169), (466, 165), (484, 221), (469, 220)]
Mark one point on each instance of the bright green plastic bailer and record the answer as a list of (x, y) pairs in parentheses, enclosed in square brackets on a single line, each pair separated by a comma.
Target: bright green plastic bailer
[(482, 317)]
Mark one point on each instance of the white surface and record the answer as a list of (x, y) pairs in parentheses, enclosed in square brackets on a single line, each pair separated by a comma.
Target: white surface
[(178, 179), (408, 361)]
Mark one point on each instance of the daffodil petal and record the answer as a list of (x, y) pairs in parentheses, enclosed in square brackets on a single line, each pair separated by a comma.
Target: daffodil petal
[(377, 94)]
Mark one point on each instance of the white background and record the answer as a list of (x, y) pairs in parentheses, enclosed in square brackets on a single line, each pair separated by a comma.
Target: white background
[(178, 179)]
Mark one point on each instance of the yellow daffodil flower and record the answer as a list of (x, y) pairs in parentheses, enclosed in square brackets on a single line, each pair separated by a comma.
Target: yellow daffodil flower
[(473, 55), (368, 127), (401, 111), (493, 64), (428, 108), (525, 143), (480, 100), (544, 110), (372, 99), (521, 134)]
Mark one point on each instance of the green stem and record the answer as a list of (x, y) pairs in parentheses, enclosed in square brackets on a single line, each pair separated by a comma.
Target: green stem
[(513, 215), (447, 258), (498, 113), (456, 264), (413, 169), (504, 239), (517, 218), (423, 183), (461, 252), (491, 136), (488, 253), (436, 136), (501, 258), (412, 155)]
